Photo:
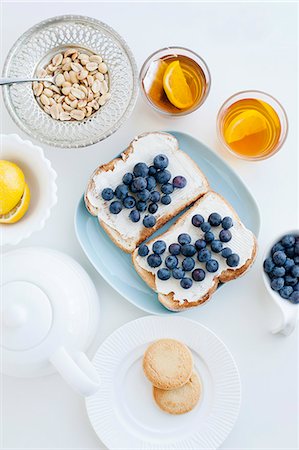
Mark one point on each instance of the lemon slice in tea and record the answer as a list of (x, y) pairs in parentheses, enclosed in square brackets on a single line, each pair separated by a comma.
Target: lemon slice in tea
[(176, 87)]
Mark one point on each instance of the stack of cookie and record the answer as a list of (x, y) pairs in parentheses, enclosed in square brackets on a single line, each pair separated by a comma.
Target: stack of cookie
[(168, 365)]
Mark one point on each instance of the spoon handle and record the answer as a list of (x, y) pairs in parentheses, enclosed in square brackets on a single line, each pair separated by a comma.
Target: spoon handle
[(4, 81)]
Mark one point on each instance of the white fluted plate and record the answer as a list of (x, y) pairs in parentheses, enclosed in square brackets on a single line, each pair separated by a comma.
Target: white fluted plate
[(123, 412)]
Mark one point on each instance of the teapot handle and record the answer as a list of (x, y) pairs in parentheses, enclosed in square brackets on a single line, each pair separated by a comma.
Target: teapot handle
[(77, 370)]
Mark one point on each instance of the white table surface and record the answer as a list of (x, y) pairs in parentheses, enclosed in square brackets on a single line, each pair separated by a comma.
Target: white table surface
[(246, 45)]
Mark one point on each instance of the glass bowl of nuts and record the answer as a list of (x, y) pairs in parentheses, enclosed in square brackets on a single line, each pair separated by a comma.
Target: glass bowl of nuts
[(90, 87)]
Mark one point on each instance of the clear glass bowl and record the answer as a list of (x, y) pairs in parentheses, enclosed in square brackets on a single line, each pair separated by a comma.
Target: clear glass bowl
[(258, 95), (175, 51), (36, 47)]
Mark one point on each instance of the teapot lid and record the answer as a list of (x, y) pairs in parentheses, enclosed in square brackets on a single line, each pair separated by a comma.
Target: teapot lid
[(26, 315)]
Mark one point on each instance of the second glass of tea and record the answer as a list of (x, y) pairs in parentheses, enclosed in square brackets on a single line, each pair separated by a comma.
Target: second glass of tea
[(175, 81), (252, 125)]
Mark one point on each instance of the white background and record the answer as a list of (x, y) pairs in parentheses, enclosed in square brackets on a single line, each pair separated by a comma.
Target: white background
[(246, 46)]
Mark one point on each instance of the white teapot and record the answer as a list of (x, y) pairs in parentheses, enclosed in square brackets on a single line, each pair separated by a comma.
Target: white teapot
[(49, 315)]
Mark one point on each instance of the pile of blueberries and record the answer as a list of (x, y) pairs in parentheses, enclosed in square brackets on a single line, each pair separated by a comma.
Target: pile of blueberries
[(202, 248), (282, 268), (139, 190)]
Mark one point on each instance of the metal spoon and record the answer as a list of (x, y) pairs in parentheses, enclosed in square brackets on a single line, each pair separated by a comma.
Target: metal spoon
[(4, 81)]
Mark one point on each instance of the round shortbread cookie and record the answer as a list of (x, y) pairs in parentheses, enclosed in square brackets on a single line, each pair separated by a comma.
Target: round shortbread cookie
[(168, 364), (181, 400)]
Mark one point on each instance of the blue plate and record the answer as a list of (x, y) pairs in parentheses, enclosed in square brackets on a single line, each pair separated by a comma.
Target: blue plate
[(116, 267)]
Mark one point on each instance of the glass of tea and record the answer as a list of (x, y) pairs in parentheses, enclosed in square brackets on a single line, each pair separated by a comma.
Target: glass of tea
[(175, 81), (252, 125)]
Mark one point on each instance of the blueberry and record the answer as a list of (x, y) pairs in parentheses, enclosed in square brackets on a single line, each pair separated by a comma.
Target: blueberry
[(149, 221), (204, 255), (166, 199), (178, 273), (163, 176), (143, 250), (200, 243), (205, 227), (141, 206), (143, 195), (139, 184), (115, 207), (179, 182), (288, 241), (290, 251), (226, 252), (188, 264), (216, 246), (289, 264), (277, 284), (197, 220), (152, 208), (296, 287), (188, 250), (290, 281), (107, 194), (227, 222), (132, 188), (212, 265), (174, 249), (279, 258), (209, 237), (129, 202), (164, 274), (140, 170), (151, 183), (296, 249), (152, 171), (278, 272), (134, 215), (294, 297), (276, 247), (128, 178), (171, 261), (233, 260), (159, 247), (214, 219), (186, 283), (184, 238), (198, 274), (296, 260), (160, 161), (121, 191), (155, 196), (295, 271), (286, 291), (154, 260), (167, 188), (225, 235)]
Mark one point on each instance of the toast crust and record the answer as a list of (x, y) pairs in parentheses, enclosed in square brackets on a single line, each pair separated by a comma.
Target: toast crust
[(129, 245), (168, 300)]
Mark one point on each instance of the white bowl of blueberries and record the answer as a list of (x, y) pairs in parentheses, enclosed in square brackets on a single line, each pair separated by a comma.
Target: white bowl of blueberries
[(281, 277)]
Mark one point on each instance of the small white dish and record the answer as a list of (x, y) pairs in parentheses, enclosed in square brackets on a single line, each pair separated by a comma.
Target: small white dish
[(289, 312), (40, 177), (49, 316), (123, 412)]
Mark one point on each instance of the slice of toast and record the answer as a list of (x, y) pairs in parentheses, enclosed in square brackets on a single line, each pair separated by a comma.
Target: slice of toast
[(243, 243), (123, 232)]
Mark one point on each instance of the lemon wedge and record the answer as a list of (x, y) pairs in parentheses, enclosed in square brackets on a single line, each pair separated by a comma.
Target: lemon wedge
[(12, 184), (245, 124), (15, 214), (176, 87)]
